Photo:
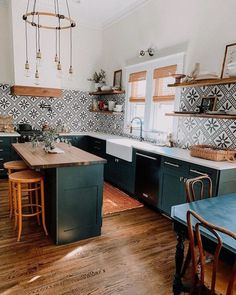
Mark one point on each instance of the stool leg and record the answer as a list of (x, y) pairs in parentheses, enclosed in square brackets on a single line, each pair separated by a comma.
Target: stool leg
[(19, 211), (42, 204), (37, 203), (30, 198), (15, 204), (10, 198)]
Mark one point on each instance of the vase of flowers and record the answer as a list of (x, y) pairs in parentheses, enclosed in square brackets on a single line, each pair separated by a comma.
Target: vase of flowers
[(99, 78)]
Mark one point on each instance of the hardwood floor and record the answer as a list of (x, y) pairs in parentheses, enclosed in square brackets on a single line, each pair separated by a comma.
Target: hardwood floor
[(134, 256)]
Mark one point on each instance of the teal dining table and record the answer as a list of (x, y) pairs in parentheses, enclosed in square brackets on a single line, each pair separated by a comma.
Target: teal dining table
[(221, 211)]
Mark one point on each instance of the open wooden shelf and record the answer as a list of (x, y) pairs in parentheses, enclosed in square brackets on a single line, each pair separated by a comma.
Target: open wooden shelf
[(228, 117), (35, 91), (107, 112), (207, 82), (108, 92)]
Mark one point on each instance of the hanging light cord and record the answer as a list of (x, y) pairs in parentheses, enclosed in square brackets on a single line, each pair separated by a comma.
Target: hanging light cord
[(71, 41), (26, 36), (38, 35)]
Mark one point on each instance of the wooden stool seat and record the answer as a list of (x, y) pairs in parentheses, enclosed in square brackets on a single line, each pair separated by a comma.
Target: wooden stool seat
[(11, 167), (26, 176), (15, 165), (32, 183)]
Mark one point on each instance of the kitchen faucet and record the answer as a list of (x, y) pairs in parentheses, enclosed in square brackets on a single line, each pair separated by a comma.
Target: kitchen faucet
[(141, 127)]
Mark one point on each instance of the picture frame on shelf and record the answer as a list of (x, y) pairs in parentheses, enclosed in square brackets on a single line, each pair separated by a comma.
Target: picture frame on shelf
[(117, 81), (208, 103), (230, 56)]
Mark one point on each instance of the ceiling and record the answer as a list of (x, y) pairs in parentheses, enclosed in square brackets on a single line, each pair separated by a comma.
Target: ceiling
[(98, 14), (102, 13)]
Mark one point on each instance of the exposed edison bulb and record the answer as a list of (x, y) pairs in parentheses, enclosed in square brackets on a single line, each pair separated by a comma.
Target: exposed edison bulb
[(39, 58), (71, 74), (37, 77), (27, 69), (56, 60), (59, 70)]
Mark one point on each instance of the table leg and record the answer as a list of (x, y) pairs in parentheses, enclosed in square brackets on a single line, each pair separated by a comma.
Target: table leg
[(179, 258)]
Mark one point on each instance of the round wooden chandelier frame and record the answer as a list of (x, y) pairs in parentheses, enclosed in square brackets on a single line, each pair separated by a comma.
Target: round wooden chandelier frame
[(59, 16)]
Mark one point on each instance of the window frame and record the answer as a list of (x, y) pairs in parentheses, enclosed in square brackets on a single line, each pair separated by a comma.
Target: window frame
[(150, 66)]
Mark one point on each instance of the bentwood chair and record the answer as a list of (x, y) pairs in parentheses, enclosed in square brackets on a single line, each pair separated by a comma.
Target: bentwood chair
[(196, 189), (214, 277), (28, 181)]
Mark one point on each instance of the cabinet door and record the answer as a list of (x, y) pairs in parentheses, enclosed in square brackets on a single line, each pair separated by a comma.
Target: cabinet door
[(174, 174), (196, 171), (147, 177), (111, 172), (126, 175), (97, 147)]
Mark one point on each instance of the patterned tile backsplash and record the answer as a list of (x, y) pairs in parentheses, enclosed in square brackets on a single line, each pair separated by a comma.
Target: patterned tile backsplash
[(216, 132), (72, 109)]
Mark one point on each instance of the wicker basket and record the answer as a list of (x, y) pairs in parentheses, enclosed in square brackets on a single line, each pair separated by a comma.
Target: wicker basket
[(212, 153)]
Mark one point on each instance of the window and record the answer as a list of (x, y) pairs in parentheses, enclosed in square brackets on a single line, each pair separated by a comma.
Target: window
[(163, 98), (137, 94), (148, 94)]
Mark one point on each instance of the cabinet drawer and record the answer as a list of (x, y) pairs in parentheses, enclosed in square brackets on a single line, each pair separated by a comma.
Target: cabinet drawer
[(170, 163), (5, 142)]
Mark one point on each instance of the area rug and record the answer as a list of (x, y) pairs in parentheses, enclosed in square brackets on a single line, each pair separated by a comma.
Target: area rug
[(114, 201)]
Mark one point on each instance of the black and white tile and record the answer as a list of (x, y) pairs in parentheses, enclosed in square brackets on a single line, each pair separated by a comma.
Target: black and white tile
[(221, 133), (71, 109)]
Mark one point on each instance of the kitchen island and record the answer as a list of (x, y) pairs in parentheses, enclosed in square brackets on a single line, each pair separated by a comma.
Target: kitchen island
[(73, 190)]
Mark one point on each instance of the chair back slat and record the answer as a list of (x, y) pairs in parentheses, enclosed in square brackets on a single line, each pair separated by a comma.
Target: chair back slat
[(198, 260), (192, 188)]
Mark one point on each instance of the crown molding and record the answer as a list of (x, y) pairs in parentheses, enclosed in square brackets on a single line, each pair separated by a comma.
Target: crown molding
[(124, 13)]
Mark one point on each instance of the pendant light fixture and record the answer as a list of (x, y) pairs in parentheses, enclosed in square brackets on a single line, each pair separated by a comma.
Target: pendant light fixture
[(34, 18)]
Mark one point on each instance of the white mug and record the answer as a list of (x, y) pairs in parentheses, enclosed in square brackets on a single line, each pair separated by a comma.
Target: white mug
[(119, 107), (111, 105)]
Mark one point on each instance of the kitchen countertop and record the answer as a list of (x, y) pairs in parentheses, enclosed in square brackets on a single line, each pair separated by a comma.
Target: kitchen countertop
[(9, 134), (175, 153), (37, 158)]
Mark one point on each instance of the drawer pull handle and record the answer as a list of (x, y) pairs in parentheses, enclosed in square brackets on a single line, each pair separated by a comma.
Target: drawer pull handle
[(198, 172), (172, 164), (145, 156), (97, 148), (96, 141), (1, 159), (145, 196), (1, 150), (1, 169), (1, 141)]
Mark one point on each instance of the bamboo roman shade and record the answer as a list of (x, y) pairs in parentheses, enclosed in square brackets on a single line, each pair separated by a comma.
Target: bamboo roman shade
[(138, 86), (162, 77)]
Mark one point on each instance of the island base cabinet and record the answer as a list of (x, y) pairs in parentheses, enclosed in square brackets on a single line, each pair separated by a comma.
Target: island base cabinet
[(74, 205)]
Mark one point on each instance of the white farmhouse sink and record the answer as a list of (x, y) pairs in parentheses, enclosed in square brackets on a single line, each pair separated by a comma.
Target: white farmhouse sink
[(121, 148)]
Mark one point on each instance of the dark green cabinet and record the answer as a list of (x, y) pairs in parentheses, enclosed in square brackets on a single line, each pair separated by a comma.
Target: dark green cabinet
[(6, 153), (173, 177), (80, 142), (120, 173), (96, 146)]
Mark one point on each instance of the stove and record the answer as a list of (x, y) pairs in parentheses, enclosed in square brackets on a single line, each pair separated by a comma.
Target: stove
[(27, 135)]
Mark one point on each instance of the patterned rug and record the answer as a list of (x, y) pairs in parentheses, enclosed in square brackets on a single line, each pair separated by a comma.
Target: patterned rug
[(114, 200)]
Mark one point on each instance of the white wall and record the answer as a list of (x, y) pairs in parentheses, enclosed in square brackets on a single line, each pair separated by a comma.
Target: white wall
[(87, 53), (201, 28), (6, 62)]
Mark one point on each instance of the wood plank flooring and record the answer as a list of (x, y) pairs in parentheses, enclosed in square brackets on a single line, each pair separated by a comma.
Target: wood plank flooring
[(133, 256)]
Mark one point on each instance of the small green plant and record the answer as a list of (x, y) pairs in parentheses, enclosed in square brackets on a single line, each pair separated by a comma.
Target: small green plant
[(99, 77)]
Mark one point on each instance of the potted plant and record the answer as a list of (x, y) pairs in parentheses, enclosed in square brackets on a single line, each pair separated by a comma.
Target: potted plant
[(99, 78)]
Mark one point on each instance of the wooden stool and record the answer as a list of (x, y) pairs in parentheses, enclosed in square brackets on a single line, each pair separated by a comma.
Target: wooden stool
[(34, 184), (11, 167)]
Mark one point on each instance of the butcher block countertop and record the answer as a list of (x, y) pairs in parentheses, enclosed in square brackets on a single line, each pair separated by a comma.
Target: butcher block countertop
[(37, 158)]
